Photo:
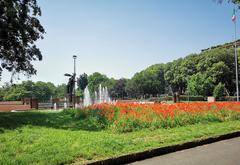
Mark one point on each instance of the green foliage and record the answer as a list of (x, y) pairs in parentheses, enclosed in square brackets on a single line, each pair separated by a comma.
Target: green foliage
[(96, 79), (20, 29), (60, 91), (237, 2), (28, 89), (119, 89), (148, 82), (195, 74), (200, 84), (132, 89), (17, 92), (174, 77), (219, 90), (43, 91), (191, 98), (82, 81), (79, 93)]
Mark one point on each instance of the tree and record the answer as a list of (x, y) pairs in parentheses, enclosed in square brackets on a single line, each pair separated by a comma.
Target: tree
[(18, 91), (233, 1), (119, 89), (153, 81), (82, 81), (236, 1), (28, 89), (134, 87), (15, 93), (96, 79), (175, 80), (219, 90), (219, 65), (61, 91), (200, 84), (2, 93), (43, 91), (19, 30), (147, 82)]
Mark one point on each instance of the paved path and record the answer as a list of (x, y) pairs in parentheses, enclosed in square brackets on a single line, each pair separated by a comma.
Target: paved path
[(225, 152)]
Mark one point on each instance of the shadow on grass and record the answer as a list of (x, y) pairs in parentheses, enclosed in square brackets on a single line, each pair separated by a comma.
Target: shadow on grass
[(59, 120)]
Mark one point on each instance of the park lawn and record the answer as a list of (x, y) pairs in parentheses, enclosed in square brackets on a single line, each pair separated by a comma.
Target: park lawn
[(58, 138)]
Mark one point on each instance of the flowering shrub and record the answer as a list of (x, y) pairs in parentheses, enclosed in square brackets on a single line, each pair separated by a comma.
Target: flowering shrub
[(126, 117)]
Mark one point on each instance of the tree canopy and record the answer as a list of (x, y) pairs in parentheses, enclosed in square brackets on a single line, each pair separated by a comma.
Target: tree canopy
[(208, 73), (195, 74), (19, 30), (82, 81), (28, 89)]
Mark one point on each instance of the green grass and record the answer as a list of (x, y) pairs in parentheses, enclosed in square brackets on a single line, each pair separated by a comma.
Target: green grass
[(55, 138)]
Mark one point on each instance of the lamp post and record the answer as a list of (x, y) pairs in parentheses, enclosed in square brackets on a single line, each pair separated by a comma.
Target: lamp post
[(74, 79), (235, 50)]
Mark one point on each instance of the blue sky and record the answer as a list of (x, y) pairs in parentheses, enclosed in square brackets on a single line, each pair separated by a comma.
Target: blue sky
[(122, 37)]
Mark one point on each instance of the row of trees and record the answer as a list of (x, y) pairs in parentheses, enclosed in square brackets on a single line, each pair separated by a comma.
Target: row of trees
[(209, 73), (196, 74), (20, 28), (28, 89)]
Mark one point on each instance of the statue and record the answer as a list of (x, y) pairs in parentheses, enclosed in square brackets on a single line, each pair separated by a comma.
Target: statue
[(70, 87)]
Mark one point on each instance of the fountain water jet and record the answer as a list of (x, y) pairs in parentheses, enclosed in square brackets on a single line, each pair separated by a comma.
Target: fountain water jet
[(102, 96), (87, 101)]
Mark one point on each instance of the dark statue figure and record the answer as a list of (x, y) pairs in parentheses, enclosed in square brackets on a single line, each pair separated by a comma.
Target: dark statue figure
[(70, 87)]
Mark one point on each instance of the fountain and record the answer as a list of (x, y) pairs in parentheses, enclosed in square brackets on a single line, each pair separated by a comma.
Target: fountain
[(65, 103), (95, 97), (87, 101), (102, 96), (55, 106)]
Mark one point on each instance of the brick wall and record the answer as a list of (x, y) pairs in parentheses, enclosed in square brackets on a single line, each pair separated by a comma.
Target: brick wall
[(13, 105)]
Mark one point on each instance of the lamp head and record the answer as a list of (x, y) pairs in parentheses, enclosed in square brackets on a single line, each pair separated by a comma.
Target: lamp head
[(67, 74)]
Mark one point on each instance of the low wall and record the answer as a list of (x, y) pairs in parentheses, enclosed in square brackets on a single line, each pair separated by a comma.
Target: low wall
[(13, 106), (11, 103)]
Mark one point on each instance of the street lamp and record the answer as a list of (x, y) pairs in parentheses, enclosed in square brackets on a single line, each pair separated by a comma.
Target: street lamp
[(67, 74), (74, 79), (235, 51), (71, 83)]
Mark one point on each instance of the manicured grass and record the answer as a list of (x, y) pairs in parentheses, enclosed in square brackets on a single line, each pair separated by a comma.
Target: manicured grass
[(55, 138)]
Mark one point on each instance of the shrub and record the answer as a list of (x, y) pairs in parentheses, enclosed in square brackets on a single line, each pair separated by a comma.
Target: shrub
[(219, 91)]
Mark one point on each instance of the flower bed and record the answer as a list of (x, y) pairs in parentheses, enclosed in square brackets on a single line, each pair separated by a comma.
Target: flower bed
[(126, 117)]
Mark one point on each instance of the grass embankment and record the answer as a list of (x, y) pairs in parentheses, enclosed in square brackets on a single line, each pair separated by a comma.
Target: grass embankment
[(55, 138)]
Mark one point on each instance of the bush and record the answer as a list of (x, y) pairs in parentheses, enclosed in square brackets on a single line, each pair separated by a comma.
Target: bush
[(219, 91), (182, 98), (228, 98), (191, 98)]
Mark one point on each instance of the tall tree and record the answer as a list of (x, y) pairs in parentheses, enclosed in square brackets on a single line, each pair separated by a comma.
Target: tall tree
[(82, 81), (19, 30), (61, 91), (96, 79), (43, 91), (233, 1), (119, 89), (200, 84)]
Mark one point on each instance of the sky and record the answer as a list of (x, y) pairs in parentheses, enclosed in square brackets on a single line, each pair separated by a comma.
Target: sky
[(121, 37)]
